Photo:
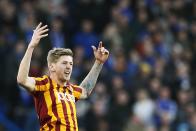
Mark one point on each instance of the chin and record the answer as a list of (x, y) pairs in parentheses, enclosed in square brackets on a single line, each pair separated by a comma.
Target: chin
[(67, 79)]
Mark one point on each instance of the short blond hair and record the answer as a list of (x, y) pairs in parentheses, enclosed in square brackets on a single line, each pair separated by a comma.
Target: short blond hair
[(56, 53)]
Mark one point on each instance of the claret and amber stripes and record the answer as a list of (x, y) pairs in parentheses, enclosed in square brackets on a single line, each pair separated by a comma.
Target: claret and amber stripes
[(55, 105)]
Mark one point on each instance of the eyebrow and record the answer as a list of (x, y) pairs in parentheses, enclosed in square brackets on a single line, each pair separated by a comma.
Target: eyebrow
[(67, 61)]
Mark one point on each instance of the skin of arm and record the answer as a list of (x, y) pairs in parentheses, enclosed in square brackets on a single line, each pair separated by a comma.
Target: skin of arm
[(90, 80), (23, 78), (101, 55)]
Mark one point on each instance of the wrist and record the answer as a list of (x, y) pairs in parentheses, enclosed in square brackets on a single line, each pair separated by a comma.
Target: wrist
[(99, 62), (31, 46)]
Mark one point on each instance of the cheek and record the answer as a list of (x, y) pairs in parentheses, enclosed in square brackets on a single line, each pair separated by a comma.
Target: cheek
[(59, 69)]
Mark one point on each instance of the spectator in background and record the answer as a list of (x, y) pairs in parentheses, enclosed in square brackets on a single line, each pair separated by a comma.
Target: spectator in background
[(111, 36), (184, 99), (133, 62), (144, 109), (116, 84), (12, 64), (119, 109), (166, 110), (78, 63), (27, 19), (119, 67), (122, 16), (188, 123), (86, 37), (182, 72), (154, 87), (57, 37), (145, 71), (96, 115)]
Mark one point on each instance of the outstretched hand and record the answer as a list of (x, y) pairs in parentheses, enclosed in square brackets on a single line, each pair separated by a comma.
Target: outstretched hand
[(101, 54), (39, 32)]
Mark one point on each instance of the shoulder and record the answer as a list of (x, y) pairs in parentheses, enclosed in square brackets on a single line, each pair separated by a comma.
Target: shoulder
[(41, 80), (41, 83), (76, 88), (41, 77)]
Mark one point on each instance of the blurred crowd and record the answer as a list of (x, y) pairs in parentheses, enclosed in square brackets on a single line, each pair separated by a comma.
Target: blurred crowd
[(149, 81)]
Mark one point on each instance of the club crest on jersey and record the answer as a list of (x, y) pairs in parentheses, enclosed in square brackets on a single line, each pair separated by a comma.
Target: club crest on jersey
[(65, 97)]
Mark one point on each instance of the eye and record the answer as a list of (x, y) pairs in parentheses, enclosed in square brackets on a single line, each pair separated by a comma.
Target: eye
[(64, 63)]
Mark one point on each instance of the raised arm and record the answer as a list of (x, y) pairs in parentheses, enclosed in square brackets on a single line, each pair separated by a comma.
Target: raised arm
[(23, 72), (101, 55)]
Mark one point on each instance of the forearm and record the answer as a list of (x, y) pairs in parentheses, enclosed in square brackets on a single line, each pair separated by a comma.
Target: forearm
[(90, 80), (25, 65)]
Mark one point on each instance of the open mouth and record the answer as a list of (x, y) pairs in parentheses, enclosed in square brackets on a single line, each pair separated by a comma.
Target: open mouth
[(67, 72)]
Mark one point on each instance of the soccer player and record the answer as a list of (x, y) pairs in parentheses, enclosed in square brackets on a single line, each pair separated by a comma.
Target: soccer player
[(54, 95)]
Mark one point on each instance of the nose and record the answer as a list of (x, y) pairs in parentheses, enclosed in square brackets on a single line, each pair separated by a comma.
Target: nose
[(68, 66)]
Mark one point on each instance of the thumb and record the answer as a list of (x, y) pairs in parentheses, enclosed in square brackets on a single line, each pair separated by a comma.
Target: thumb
[(94, 48)]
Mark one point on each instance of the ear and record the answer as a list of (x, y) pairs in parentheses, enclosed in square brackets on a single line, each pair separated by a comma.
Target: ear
[(51, 67)]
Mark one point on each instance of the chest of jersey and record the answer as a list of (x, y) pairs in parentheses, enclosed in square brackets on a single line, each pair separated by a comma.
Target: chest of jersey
[(64, 96)]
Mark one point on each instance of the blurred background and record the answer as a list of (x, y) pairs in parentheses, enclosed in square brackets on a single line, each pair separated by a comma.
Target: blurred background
[(149, 81)]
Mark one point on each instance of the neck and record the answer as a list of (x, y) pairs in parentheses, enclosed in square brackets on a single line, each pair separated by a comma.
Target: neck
[(59, 82)]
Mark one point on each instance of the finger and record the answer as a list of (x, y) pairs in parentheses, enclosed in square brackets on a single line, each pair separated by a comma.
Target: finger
[(42, 36), (102, 49), (100, 44), (106, 51), (94, 48), (38, 26), (43, 31), (42, 28)]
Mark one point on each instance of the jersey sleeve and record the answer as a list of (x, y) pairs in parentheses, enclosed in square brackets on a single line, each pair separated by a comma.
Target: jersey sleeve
[(41, 83), (77, 92)]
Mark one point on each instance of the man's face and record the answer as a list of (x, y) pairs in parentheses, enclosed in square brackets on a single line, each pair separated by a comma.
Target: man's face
[(63, 68)]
